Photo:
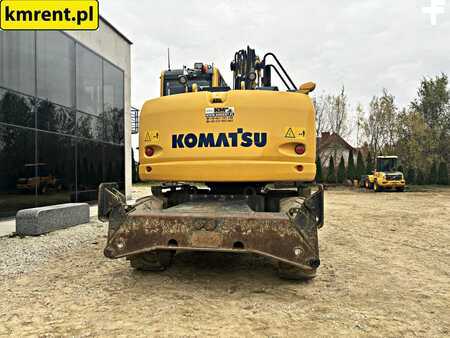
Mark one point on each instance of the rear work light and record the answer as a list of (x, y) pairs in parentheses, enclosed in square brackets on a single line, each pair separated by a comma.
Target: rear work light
[(300, 149), (149, 151)]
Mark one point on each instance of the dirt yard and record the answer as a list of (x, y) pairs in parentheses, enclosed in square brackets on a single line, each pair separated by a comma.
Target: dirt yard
[(385, 272)]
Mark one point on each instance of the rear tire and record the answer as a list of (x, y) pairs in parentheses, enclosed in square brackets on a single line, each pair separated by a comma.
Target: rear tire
[(290, 272), (400, 189), (377, 188), (152, 261)]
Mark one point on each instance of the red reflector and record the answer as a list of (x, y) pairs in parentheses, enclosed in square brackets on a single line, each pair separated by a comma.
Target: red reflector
[(300, 149), (149, 151), (300, 167), (148, 169)]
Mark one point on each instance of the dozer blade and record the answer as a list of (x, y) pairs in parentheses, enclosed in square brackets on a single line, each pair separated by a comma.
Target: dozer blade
[(215, 223)]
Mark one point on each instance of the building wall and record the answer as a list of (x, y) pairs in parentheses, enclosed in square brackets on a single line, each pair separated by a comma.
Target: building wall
[(335, 150), (108, 43), (62, 116)]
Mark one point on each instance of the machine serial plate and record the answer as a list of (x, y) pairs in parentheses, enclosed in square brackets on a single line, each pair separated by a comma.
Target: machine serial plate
[(219, 114)]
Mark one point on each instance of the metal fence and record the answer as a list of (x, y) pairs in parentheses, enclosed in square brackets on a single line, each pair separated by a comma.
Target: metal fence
[(134, 120)]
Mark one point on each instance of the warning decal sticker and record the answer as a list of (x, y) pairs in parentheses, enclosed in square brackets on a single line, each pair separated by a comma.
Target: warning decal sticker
[(294, 133), (152, 136)]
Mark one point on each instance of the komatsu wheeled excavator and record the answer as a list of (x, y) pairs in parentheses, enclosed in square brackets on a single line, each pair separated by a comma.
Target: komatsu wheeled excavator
[(234, 171)]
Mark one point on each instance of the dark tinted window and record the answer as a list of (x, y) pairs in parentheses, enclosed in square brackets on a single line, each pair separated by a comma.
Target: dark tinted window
[(68, 148), (90, 126), (53, 117), (386, 164), (16, 108), (56, 158), (17, 148), (114, 167), (43, 171), (90, 165), (17, 68), (113, 123), (89, 81), (113, 103), (112, 87), (56, 68)]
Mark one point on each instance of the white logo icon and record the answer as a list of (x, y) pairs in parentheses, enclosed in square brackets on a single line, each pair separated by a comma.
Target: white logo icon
[(436, 7)]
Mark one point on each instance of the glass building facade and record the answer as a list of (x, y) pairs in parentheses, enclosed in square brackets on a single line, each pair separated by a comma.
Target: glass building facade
[(61, 120)]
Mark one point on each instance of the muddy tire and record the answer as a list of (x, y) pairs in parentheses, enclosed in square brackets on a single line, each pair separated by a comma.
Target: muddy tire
[(376, 187), (152, 261), (368, 185), (289, 272)]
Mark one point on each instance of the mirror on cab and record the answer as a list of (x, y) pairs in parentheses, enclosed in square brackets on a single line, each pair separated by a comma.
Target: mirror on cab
[(307, 87)]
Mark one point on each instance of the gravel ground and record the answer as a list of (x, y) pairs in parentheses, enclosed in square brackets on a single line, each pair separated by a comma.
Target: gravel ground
[(20, 255), (385, 272)]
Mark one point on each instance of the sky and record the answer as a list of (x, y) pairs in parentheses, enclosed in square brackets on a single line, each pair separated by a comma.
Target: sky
[(364, 45)]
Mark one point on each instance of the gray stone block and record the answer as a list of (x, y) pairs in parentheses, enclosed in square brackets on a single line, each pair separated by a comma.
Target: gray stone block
[(38, 221)]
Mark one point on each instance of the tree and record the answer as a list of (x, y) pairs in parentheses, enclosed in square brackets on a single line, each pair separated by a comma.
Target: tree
[(319, 174), (432, 101), (380, 126), (433, 105), (322, 106), (351, 174), (433, 175), (411, 176), (443, 174), (331, 174), (341, 171), (420, 177), (360, 166), (332, 113), (415, 142), (338, 114), (359, 123), (370, 163)]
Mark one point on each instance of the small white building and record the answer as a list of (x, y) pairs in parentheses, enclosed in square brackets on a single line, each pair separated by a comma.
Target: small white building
[(331, 144)]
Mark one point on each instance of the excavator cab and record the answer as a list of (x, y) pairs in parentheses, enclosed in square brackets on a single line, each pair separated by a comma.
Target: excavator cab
[(387, 164), (200, 78)]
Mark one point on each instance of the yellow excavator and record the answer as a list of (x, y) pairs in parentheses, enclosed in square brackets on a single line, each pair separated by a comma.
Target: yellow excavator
[(235, 170)]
